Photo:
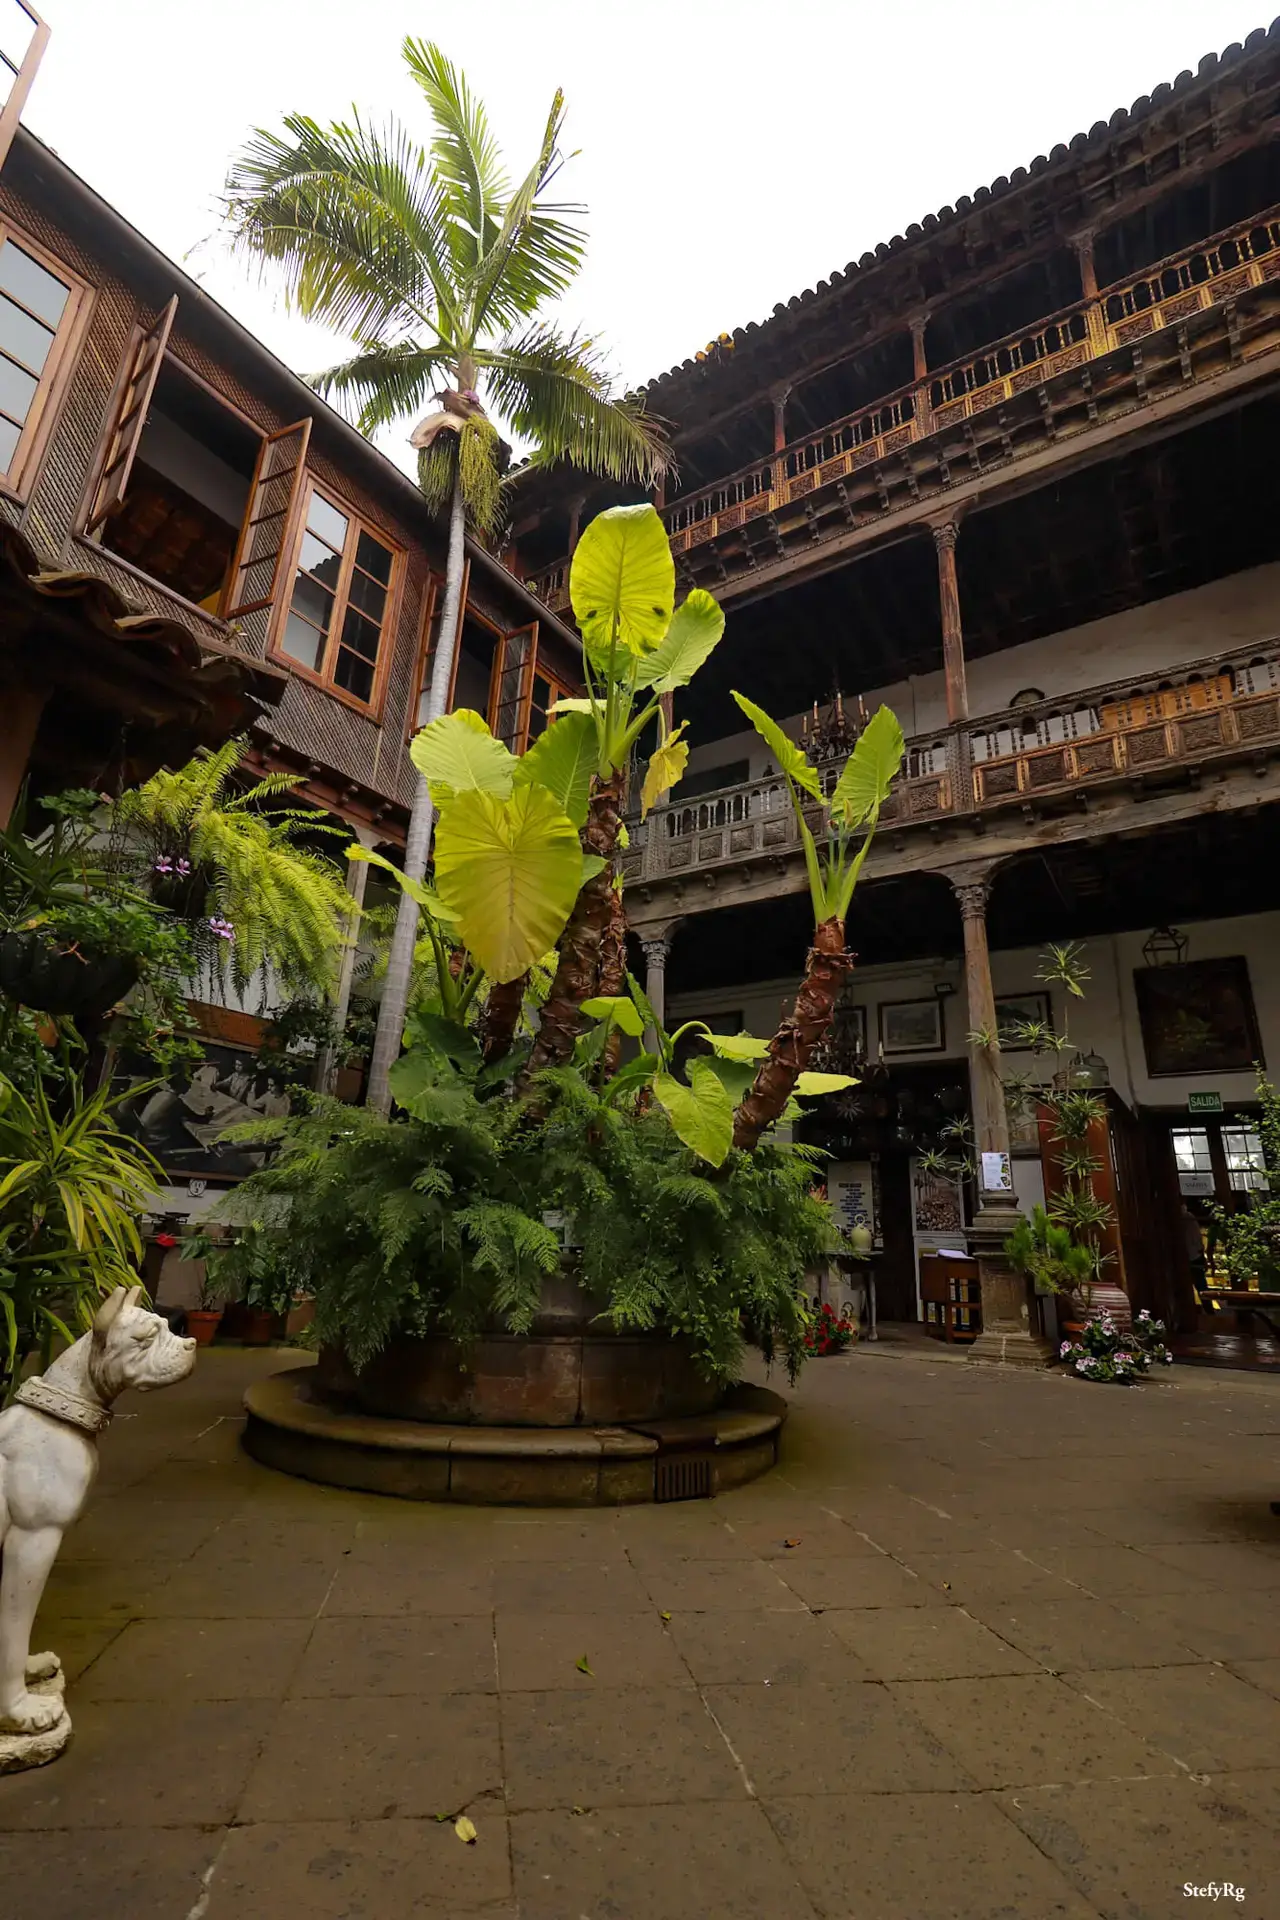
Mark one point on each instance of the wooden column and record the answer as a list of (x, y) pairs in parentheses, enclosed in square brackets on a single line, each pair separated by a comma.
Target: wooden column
[(1082, 246), (944, 541), (778, 395), (576, 505), (655, 950), (1010, 1332), (920, 362), (332, 1058), (23, 707)]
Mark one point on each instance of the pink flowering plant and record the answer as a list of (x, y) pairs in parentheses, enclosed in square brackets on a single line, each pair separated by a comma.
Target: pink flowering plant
[(1105, 1351)]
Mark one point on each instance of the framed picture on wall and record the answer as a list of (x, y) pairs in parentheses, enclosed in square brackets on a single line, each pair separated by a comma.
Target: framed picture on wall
[(912, 1026), (1014, 1010), (181, 1121), (1198, 1017)]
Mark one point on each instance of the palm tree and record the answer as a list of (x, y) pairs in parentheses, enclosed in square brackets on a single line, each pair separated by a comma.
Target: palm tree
[(437, 268)]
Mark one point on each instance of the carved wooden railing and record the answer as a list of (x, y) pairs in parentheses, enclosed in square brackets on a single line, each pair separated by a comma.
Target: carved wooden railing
[(1163, 295), (1223, 704)]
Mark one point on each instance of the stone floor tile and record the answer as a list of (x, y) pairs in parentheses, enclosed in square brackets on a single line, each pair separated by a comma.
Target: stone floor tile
[(276, 1588), (925, 1643), (871, 1581), (654, 1863), (1068, 1635), (1264, 1674), (246, 1535), (406, 1757), (77, 1643), (197, 1660), (398, 1654), (88, 1873), (143, 1764), (787, 1536), (932, 1856), (1204, 1716), (1224, 1564), (994, 1571), (1110, 1572), (851, 1732), (714, 1586), (1131, 1845), (550, 1586), (102, 1590), (541, 1650), (1242, 1626), (385, 1586), (635, 1746), (162, 1531), (784, 1649), (383, 1869), (1027, 1730)]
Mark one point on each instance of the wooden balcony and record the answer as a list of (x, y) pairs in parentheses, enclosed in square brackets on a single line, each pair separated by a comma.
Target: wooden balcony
[(1140, 733), (1166, 331)]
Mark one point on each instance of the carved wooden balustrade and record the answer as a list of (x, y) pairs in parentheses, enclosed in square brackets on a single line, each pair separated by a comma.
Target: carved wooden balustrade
[(1166, 296), (1223, 706)]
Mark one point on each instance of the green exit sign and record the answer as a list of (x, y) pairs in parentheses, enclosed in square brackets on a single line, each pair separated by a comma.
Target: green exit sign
[(1204, 1103)]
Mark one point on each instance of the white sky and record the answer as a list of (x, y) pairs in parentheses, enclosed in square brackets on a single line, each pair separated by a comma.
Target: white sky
[(730, 152)]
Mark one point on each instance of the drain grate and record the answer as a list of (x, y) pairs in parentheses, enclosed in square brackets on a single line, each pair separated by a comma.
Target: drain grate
[(683, 1476)]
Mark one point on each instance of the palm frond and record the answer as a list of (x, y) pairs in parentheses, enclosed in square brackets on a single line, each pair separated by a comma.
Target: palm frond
[(554, 390), (355, 217), (467, 162), (536, 253), (383, 384)]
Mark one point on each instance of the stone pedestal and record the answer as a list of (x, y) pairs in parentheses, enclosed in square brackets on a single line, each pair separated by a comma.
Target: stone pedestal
[(20, 1751), (1009, 1337)]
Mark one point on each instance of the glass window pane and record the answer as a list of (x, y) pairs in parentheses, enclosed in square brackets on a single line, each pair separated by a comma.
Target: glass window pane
[(1246, 1165), (316, 558), (23, 337), (361, 635), (1191, 1149), (302, 643), (17, 389), (313, 601), (368, 595), (9, 435), (374, 558), (355, 674), (29, 282), (327, 522)]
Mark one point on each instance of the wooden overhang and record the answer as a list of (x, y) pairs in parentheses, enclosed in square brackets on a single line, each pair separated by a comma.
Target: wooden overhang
[(98, 694)]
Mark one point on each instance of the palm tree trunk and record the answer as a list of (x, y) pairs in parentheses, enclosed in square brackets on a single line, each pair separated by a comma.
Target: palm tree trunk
[(395, 991), (501, 1017), (798, 1035), (613, 972), (581, 943)]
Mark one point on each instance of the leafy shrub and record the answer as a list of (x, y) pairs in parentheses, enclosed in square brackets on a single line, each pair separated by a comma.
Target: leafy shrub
[(1103, 1352)]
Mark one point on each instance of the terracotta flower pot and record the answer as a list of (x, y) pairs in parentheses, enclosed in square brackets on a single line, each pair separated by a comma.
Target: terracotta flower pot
[(203, 1323), (259, 1327)]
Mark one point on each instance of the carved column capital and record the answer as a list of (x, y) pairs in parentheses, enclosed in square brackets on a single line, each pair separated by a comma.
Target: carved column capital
[(972, 896), (945, 533), (656, 949)]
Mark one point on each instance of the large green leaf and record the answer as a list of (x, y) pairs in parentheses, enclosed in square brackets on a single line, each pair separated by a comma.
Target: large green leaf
[(701, 1113), (810, 1085), (623, 578), (619, 1008), (735, 1076), (737, 1046), (695, 630), (869, 771), (458, 754), (563, 760), (427, 897), (790, 759), (666, 766), (510, 870)]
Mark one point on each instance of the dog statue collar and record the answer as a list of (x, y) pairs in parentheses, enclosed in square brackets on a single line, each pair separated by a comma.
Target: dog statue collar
[(60, 1402)]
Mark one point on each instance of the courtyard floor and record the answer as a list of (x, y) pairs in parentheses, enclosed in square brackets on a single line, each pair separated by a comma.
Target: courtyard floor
[(985, 1645)]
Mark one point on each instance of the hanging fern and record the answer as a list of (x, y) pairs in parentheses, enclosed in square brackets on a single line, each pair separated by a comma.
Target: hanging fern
[(258, 898)]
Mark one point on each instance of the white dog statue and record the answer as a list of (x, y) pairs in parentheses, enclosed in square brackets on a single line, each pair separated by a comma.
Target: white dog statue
[(48, 1463)]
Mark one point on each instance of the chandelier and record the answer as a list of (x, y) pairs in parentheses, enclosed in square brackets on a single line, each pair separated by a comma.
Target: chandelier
[(1167, 947), (831, 732)]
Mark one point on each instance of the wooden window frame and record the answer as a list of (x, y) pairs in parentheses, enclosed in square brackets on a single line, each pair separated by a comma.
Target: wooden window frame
[(556, 681), (525, 696), (127, 417), (357, 523), (23, 74), (433, 596), (55, 377), (232, 608)]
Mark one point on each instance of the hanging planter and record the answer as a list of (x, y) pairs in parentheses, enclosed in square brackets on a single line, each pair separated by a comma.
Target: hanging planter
[(179, 886), (37, 972)]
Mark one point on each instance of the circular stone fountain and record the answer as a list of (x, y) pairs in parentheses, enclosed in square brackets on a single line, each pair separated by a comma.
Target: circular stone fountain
[(569, 1414)]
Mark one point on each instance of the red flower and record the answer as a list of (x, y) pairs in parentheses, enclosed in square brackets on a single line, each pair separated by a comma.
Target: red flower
[(165, 1239)]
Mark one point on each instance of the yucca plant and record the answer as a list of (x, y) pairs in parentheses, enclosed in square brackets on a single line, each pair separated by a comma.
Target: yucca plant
[(256, 897), (437, 267), (72, 1186)]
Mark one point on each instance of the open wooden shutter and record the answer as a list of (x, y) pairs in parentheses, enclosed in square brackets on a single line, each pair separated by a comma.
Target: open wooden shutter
[(513, 679), (129, 416), (277, 483), (18, 67)]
